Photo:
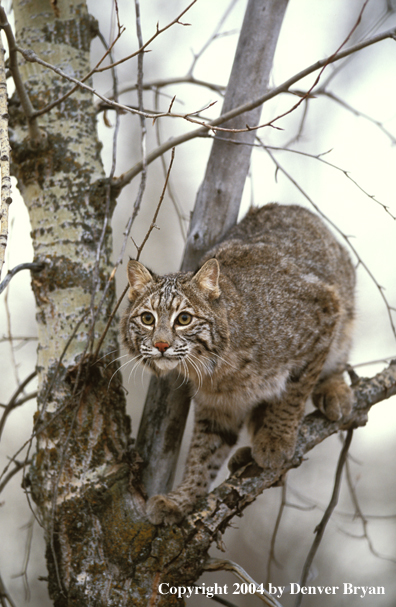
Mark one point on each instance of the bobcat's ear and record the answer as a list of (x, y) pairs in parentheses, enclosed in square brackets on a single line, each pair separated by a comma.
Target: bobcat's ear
[(138, 277), (207, 278)]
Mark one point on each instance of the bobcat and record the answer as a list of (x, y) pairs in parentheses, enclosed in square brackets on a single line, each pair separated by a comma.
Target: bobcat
[(261, 326)]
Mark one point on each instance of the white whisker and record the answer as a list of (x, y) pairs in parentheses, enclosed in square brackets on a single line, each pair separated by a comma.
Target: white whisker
[(135, 366), (108, 354), (114, 360), (198, 372)]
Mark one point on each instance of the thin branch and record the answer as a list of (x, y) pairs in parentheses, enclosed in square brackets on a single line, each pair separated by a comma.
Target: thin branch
[(172, 196), (359, 514), (158, 32), (346, 173), (357, 113), (282, 88), (95, 310), (160, 83), (107, 53), (18, 466), (4, 596), (153, 224), (34, 267), (320, 529), (271, 556), (28, 547), (14, 400), (29, 55), (139, 250), (212, 37), (225, 565), (36, 429), (16, 404), (37, 136)]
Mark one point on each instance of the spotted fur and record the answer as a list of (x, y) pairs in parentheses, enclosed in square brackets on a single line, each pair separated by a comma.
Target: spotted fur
[(261, 326)]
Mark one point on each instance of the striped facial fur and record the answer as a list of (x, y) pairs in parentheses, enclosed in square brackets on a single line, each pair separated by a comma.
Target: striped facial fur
[(175, 321)]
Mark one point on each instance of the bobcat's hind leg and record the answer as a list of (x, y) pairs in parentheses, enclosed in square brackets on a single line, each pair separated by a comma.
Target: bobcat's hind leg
[(274, 424), (274, 428), (333, 397)]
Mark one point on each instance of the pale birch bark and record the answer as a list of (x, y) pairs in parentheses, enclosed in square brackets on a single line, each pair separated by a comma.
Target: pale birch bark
[(5, 199), (81, 423)]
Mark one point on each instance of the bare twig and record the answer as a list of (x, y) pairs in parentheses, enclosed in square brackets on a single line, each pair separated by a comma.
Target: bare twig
[(28, 547), (95, 310), (37, 136), (153, 224), (212, 37), (213, 125), (107, 53), (271, 556), (345, 172), (320, 529), (139, 250), (358, 113), (226, 565), (359, 514), (282, 88), (14, 402), (160, 83), (158, 32), (34, 267), (18, 466), (172, 196), (5, 598)]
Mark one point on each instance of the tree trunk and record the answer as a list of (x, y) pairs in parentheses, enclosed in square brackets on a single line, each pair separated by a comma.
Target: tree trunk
[(215, 212), (79, 479)]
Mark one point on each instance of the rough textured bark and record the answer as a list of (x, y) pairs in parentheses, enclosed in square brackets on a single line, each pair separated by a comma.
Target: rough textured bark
[(5, 199), (216, 208)]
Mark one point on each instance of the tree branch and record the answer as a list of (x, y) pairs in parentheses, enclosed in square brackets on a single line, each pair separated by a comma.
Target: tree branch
[(37, 136), (320, 529), (33, 266), (125, 178)]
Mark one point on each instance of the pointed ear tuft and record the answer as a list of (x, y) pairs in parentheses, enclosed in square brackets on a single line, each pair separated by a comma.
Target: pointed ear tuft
[(138, 277), (207, 278)]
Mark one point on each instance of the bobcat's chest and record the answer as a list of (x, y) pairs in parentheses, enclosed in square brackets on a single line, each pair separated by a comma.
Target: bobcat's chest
[(235, 391)]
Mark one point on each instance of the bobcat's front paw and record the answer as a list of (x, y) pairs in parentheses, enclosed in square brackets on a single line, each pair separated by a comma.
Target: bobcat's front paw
[(161, 509), (333, 397), (272, 453)]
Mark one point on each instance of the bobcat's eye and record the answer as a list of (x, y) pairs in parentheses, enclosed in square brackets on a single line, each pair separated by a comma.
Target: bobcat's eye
[(184, 319), (147, 318)]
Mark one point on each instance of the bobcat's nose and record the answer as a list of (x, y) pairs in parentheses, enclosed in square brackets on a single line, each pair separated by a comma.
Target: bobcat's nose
[(161, 346)]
